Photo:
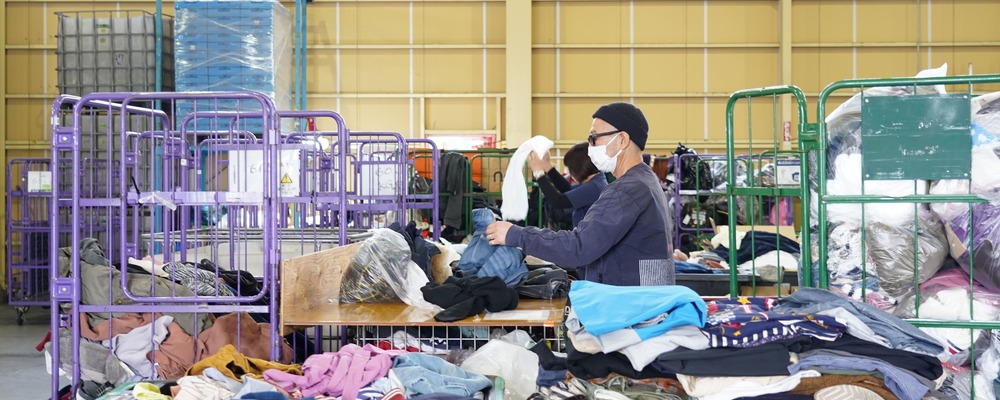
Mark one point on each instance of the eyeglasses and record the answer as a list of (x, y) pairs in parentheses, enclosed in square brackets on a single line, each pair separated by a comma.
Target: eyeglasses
[(592, 139)]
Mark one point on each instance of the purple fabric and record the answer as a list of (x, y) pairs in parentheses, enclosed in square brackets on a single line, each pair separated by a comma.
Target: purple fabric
[(985, 227), (343, 373)]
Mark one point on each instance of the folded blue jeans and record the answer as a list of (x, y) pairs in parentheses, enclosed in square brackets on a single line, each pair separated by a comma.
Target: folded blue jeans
[(481, 259), (426, 374)]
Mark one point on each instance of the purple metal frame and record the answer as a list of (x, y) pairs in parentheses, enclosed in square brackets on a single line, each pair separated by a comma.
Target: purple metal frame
[(151, 170), (27, 227)]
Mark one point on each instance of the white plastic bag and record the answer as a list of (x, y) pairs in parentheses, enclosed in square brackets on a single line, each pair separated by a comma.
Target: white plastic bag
[(517, 366)]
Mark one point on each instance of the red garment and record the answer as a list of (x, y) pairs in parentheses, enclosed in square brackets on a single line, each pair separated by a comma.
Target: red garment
[(387, 345)]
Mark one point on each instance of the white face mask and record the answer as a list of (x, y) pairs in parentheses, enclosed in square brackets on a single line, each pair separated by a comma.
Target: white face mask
[(599, 156)]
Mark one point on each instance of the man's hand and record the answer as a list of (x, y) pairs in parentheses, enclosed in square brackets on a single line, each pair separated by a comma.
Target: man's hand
[(496, 233), (543, 164)]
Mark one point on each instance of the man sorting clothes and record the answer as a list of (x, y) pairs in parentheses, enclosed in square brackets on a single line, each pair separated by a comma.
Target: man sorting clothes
[(625, 237)]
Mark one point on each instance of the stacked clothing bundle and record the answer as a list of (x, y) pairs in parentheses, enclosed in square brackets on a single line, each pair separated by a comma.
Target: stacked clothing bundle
[(812, 344)]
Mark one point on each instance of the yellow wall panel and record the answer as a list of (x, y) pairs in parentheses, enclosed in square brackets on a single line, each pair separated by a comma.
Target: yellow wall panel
[(976, 20), (455, 114), (391, 115), (450, 23), (543, 26), (543, 71), (667, 118), (592, 22), (815, 68), (496, 23), (26, 118), (716, 119), (887, 62), (321, 76), (322, 27), (375, 23), (665, 22), (591, 70), (887, 21), (943, 22), (458, 71), (543, 117), (694, 111), (742, 22), (496, 74), (576, 116), (662, 70), (730, 70), (822, 21), (378, 71), (18, 17)]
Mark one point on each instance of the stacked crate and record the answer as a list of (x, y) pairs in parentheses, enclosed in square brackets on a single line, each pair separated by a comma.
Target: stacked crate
[(232, 45), (112, 51)]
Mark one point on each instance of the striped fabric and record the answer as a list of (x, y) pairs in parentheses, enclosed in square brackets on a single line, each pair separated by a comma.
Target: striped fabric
[(202, 282), (656, 272)]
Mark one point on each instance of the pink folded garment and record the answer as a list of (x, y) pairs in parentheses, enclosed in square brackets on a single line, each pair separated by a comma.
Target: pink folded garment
[(343, 373)]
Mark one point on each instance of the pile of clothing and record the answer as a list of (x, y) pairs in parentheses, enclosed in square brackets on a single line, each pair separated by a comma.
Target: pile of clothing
[(763, 254), (123, 346), (812, 344)]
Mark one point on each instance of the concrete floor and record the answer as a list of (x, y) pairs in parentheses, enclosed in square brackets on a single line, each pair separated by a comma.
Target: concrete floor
[(22, 369)]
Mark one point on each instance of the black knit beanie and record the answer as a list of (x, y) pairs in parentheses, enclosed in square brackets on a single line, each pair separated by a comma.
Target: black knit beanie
[(626, 117)]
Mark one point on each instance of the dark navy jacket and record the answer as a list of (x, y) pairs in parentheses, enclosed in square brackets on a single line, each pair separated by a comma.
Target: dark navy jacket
[(624, 240)]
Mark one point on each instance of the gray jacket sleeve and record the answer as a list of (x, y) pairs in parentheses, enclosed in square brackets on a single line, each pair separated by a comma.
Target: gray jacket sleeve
[(606, 223)]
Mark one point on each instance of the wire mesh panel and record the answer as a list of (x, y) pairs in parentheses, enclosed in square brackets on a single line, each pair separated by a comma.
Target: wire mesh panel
[(699, 197), (904, 217), (29, 194), (766, 245), (486, 175), (376, 179), (152, 200)]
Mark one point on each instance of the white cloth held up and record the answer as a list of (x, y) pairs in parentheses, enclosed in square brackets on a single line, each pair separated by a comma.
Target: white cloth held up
[(515, 191)]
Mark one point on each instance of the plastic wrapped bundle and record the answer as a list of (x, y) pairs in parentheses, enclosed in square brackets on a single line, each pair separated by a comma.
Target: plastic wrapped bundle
[(983, 222), (891, 249), (378, 271)]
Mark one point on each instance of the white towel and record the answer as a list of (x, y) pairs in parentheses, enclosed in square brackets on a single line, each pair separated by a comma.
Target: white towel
[(515, 191)]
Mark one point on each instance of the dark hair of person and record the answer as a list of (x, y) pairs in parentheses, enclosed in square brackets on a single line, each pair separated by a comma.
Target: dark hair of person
[(578, 162)]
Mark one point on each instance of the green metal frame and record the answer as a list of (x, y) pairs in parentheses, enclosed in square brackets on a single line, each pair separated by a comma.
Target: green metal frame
[(484, 156), (915, 168), (754, 190)]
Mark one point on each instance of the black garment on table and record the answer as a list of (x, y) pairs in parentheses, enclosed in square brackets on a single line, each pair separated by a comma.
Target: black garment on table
[(922, 365), (770, 359), (451, 187), (421, 250), (756, 244), (547, 359), (544, 283), (465, 297), (592, 366)]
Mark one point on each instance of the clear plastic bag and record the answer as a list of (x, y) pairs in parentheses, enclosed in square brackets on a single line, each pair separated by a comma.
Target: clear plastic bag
[(959, 385), (517, 366), (891, 248), (379, 271)]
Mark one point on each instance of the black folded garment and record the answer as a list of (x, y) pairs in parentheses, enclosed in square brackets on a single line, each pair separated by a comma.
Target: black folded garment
[(545, 283), (465, 297)]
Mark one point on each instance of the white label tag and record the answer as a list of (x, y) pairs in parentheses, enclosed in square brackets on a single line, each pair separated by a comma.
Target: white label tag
[(39, 181)]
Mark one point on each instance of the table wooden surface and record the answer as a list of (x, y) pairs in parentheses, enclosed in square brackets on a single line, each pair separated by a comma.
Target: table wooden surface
[(529, 312)]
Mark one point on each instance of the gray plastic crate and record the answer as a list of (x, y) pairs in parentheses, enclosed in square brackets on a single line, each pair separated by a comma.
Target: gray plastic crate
[(112, 51)]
